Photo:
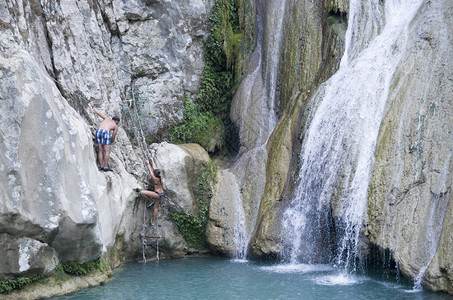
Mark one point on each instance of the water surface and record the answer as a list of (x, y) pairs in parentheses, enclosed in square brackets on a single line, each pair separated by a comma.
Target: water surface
[(218, 278)]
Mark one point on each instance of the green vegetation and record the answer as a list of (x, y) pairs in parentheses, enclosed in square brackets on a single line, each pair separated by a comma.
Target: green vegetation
[(78, 269), (193, 228), (6, 286), (200, 127), (62, 271), (206, 120)]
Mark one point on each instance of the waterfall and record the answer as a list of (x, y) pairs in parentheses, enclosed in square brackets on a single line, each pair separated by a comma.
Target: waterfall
[(324, 218), (256, 118), (240, 227), (276, 14)]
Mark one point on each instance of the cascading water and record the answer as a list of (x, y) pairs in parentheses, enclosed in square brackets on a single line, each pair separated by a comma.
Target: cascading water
[(276, 14), (240, 227), (324, 219), (256, 97)]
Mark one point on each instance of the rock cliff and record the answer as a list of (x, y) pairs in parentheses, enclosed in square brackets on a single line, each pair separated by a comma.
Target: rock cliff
[(56, 58), (409, 205)]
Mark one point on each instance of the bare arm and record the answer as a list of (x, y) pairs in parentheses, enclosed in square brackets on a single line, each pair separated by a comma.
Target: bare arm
[(98, 112), (114, 133), (154, 164), (149, 169)]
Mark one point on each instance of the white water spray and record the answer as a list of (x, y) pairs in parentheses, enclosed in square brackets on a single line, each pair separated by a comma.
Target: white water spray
[(337, 154), (241, 236), (255, 100), (274, 29)]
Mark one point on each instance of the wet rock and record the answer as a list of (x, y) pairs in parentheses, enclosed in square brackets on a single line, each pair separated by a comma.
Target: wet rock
[(409, 205)]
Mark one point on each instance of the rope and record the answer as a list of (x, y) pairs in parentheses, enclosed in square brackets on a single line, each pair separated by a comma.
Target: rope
[(144, 235), (138, 132)]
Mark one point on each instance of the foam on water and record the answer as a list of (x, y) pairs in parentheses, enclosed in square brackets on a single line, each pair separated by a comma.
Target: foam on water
[(298, 268), (239, 260), (338, 279), (413, 290)]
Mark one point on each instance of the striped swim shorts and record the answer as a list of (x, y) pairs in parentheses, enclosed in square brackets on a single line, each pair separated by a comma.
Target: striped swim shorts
[(102, 136)]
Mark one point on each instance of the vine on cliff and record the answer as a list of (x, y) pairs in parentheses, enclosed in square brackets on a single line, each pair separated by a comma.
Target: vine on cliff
[(206, 120), (201, 127), (78, 269), (193, 228)]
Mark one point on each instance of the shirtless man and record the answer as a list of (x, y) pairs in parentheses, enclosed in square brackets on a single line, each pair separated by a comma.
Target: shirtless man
[(103, 138), (158, 193)]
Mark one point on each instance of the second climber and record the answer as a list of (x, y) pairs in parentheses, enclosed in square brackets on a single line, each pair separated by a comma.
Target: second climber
[(155, 196)]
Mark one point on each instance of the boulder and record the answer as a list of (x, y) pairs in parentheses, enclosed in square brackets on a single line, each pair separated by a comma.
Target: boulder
[(25, 257), (220, 234), (51, 188), (182, 168)]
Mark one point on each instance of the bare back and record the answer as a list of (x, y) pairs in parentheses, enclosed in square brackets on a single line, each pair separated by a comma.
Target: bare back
[(108, 124)]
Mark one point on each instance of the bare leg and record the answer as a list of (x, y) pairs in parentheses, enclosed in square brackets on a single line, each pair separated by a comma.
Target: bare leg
[(106, 156), (152, 196), (156, 208), (101, 154)]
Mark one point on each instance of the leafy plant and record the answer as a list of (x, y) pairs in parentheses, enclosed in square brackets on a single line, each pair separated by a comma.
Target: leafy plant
[(6, 286), (199, 127), (61, 271), (77, 269), (206, 120), (193, 228)]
